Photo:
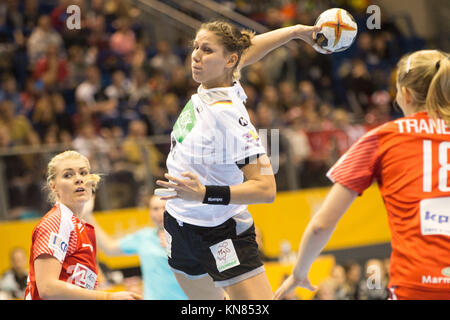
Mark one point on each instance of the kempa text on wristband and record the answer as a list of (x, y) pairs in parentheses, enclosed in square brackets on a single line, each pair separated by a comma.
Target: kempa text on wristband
[(217, 195)]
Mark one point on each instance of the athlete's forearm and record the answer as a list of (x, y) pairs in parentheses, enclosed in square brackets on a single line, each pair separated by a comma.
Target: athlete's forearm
[(321, 227), (313, 241), (264, 43), (61, 290), (253, 192)]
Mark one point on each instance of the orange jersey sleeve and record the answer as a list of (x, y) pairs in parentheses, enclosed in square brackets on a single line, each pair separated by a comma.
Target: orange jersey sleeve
[(410, 160)]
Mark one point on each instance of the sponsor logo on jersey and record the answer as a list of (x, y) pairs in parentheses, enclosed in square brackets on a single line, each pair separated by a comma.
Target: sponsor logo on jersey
[(243, 122), (446, 271), (429, 279), (82, 276), (225, 255), (59, 246), (435, 216)]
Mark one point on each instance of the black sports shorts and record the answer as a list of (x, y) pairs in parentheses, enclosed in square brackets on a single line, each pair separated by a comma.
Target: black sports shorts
[(227, 252)]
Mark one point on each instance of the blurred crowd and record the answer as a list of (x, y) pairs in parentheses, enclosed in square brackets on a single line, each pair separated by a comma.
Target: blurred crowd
[(109, 82)]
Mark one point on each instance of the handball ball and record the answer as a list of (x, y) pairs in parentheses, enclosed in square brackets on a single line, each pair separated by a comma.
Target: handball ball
[(338, 32)]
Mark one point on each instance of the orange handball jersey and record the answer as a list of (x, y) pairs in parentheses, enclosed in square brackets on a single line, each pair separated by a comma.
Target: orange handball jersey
[(62, 235), (410, 160)]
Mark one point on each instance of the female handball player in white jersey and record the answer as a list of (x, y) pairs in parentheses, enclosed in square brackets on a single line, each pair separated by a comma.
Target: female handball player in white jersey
[(210, 233)]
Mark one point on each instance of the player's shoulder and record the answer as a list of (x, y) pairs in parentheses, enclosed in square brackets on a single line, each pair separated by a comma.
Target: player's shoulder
[(50, 222), (385, 128), (225, 98), (57, 217), (215, 99)]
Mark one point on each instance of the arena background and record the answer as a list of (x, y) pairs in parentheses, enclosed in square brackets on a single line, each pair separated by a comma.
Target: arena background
[(113, 89)]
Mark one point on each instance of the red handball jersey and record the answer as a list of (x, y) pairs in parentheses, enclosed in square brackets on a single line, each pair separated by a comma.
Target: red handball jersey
[(62, 235), (410, 160)]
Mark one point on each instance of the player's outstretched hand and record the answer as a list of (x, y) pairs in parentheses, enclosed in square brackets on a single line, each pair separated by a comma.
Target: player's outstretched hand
[(189, 189), (290, 284)]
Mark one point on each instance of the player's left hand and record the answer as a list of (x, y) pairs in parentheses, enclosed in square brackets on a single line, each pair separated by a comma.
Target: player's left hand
[(189, 189), (290, 284)]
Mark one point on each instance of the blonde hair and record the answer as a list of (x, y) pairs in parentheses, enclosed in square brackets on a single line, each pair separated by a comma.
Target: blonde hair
[(232, 38), (52, 171), (426, 73)]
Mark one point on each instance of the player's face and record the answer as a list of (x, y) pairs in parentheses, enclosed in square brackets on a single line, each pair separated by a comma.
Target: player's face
[(157, 208), (211, 65), (71, 183)]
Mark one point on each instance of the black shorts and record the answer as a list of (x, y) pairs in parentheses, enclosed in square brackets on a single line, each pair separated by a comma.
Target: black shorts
[(228, 252)]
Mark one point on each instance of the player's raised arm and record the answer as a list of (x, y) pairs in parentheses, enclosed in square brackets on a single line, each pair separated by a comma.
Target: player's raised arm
[(266, 42)]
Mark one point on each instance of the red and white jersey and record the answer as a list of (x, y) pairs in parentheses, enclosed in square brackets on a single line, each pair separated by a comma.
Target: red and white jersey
[(62, 235), (410, 160)]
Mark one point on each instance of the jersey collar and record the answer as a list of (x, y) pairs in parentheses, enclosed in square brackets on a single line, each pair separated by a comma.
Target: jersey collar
[(65, 210), (235, 90)]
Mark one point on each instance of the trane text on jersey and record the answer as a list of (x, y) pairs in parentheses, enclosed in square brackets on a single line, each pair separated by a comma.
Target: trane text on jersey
[(427, 126)]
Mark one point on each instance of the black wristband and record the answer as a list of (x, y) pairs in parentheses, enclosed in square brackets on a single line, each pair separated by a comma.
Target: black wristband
[(217, 195)]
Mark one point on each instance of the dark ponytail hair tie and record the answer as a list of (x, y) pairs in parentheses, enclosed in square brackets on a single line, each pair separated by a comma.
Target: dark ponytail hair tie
[(438, 64)]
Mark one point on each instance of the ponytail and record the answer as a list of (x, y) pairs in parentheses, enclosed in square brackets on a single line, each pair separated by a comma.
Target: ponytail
[(438, 95)]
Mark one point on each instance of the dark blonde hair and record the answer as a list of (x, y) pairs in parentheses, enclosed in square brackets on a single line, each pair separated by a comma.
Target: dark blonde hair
[(426, 73), (231, 38)]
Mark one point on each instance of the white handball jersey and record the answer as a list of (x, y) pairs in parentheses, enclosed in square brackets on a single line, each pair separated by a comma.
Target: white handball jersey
[(211, 136)]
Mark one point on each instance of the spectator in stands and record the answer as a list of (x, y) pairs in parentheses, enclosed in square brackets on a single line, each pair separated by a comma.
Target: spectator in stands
[(155, 117), (353, 276), (50, 110), (76, 65), (90, 89), (123, 41), (359, 86), (20, 129), (119, 88), (374, 284), (134, 146), (98, 34), (149, 244), (351, 131), (326, 290), (31, 12), (41, 38), (51, 68), (179, 83), (288, 95), (139, 87), (8, 91), (14, 280), (84, 114), (338, 276), (93, 146), (165, 60), (299, 147), (28, 97), (91, 92)]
